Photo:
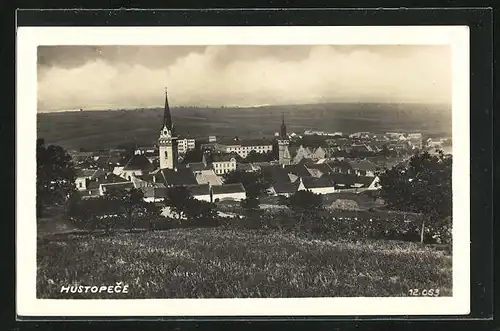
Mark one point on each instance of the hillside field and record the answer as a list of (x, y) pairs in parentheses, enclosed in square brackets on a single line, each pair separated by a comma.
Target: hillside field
[(107, 129), (230, 263)]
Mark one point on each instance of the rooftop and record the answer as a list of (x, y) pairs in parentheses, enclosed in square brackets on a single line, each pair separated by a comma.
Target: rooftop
[(228, 188), (138, 162), (183, 176), (199, 189)]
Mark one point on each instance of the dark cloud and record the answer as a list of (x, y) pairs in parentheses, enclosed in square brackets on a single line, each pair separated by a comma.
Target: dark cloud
[(134, 76)]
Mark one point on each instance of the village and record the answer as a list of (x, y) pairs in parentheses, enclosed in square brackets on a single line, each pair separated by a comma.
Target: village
[(331, 164)]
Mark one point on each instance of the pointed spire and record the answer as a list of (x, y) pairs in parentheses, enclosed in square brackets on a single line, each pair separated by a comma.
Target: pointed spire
[(283, 126), (167, 118)]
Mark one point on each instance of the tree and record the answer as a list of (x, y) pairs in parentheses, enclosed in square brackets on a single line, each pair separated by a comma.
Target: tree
[(200, 212), (423, 185), (305, 202), (255, 183), (184, 205), (127, 200), (152, 211), (193, 156), (55, 176), (178, 199), (250, 203)]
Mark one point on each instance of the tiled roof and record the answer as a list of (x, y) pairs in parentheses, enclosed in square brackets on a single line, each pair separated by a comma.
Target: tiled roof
[(348, 181), (222, 157), (138, 162), (298, 170), (183, 176), (110, 178), (310, 182), (154, 192), (228, 188), (363, 165), (285, 187), (110, 187), (197, 166), (200, 189)]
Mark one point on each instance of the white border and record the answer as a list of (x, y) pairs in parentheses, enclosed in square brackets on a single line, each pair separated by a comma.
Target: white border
[(28, 38)]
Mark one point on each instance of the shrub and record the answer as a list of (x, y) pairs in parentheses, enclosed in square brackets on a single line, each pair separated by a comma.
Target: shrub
[(345, 204)]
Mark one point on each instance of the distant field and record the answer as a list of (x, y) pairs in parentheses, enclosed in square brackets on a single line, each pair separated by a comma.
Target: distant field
[(106, 129), (219, 263)]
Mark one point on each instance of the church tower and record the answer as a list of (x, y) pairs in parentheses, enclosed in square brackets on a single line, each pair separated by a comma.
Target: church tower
[(284, 156), (168, 141)]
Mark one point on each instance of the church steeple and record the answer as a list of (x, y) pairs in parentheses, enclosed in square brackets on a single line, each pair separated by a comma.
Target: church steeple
[(167, 118), (167, 141), (283, 127)]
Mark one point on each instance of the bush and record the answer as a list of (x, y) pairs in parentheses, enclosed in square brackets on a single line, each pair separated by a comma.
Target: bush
[(349, 225), (345, 204)]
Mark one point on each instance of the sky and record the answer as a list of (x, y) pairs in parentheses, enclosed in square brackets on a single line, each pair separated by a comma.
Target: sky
[(117, 77)]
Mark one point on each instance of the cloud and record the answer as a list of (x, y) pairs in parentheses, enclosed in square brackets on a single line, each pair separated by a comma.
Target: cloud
[(245, 75)]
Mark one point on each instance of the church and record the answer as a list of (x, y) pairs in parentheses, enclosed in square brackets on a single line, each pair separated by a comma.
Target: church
[(168, 172)]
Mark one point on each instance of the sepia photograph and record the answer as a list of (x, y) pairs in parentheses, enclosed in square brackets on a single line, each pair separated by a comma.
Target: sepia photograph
[(324, 169)]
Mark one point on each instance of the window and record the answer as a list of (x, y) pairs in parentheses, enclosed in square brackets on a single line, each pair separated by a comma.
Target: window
[(80, 185), (166, 154)]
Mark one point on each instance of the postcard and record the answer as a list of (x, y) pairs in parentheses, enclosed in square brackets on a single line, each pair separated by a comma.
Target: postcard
[(243, 171)]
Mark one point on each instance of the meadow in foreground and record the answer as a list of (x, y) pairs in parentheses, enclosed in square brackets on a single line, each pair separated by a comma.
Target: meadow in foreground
[(221, 263)]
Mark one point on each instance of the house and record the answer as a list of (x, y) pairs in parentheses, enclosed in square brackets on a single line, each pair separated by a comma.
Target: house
[(316, 185), (319, 153), (302, 153), (233, 192), (244, 147), (319, 169), (200, 192), (363, 167), (138, 164), (223, 163), (340, 166), (154, 194), (111, 187), (83, 176), (90, 193), (283, 188), (185, 144), (177, 177), (354, 183)]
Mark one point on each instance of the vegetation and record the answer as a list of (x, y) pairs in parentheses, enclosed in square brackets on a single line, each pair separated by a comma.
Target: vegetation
[(196, 212), (55, 176), (255, 183), (423, 185), (218, 263)]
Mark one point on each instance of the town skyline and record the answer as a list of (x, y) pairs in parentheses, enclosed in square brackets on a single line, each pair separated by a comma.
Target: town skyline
[(128, 77)]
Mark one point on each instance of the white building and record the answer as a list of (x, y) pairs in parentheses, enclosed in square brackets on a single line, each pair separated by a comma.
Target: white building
[(200, 192), (243, 148), (231, 192), (186, 144), (223, 163), (316, 185)]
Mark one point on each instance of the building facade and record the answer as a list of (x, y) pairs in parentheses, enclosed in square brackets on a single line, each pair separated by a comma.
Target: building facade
[(185, 145)]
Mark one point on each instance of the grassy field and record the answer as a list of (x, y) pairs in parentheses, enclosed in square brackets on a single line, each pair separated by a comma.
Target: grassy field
[(221, 263), (108, 129)]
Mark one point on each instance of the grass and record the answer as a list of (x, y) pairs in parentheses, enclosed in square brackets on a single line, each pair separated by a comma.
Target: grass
[(221, 263)]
